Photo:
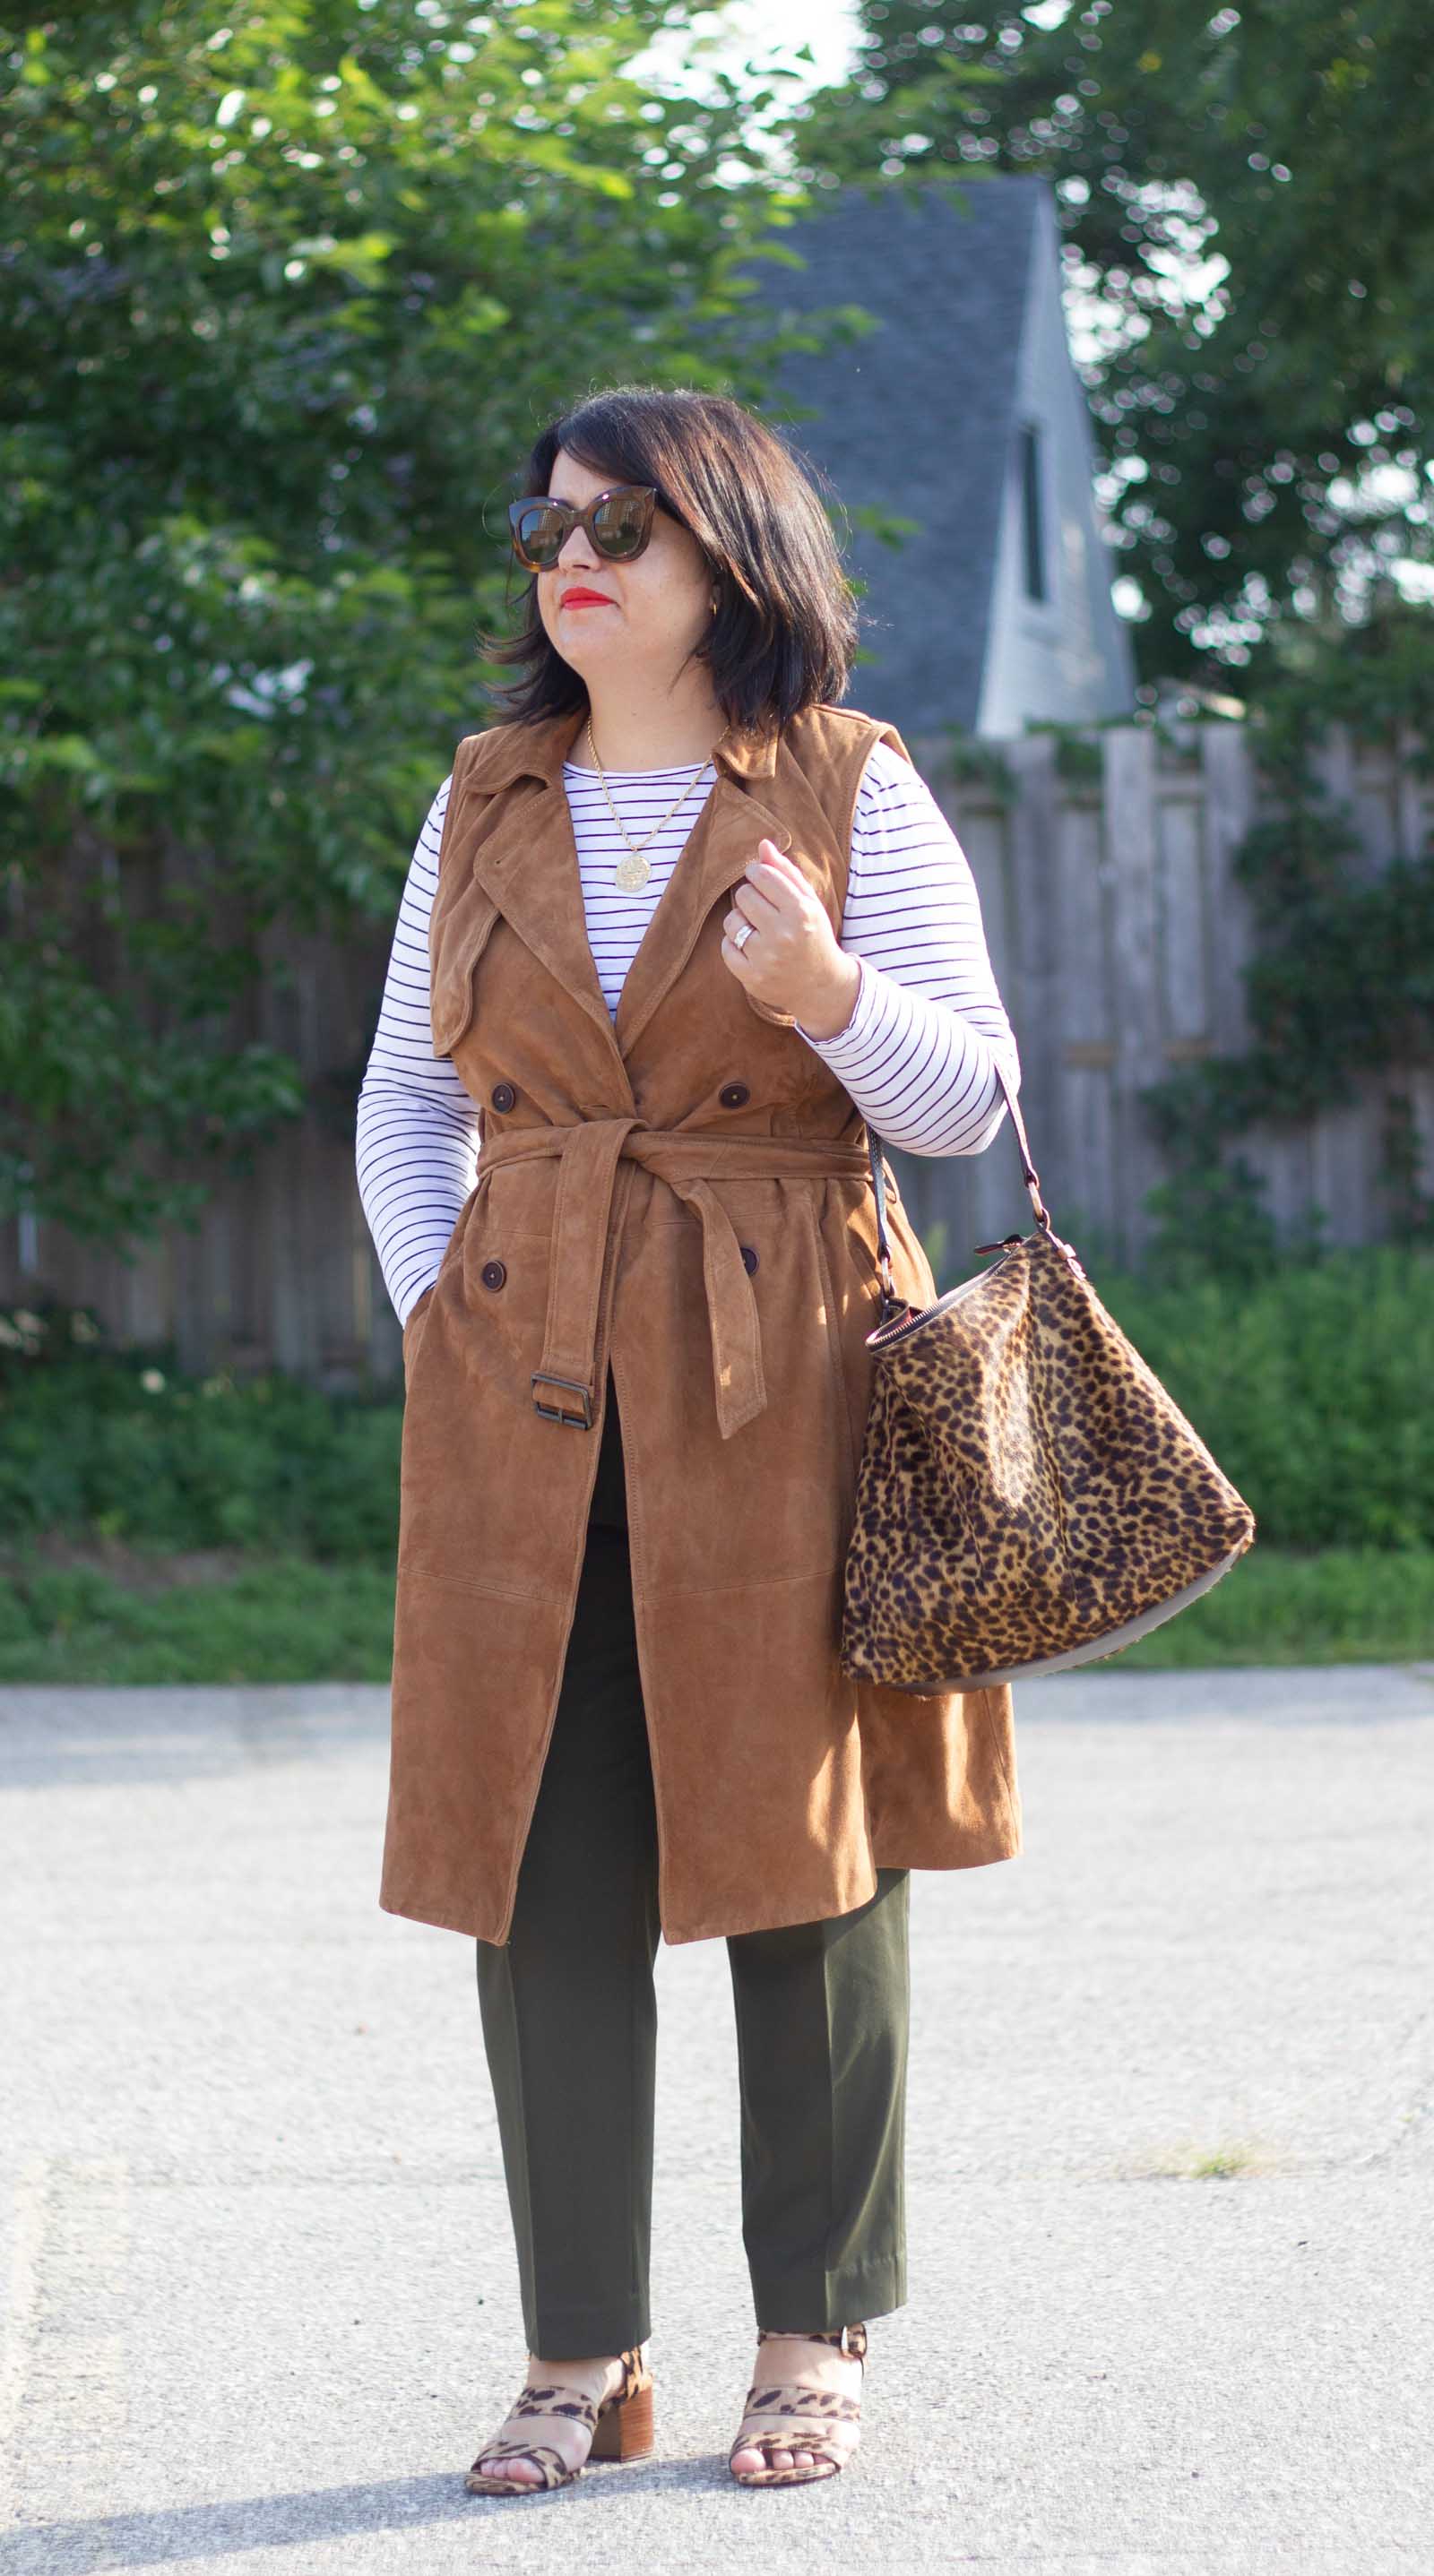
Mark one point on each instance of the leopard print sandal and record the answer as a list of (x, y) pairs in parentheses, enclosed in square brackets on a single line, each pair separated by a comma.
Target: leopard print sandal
[(810, 2410), (621, 2428)]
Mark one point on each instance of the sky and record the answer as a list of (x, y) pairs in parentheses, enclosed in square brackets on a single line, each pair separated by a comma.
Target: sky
[(760, 30), (776, 27)]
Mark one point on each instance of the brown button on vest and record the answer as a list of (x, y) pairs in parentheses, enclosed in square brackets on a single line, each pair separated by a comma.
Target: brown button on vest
[(683, 1194)]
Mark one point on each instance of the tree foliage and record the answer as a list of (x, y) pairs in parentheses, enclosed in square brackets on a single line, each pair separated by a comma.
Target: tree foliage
[(288, 288), (1244, 195)]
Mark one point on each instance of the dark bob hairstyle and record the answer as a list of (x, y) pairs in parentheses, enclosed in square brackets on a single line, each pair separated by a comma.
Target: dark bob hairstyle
[(784, 636)]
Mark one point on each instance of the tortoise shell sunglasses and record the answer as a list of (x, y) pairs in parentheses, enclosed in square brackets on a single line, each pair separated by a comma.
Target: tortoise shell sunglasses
[(618, 520)]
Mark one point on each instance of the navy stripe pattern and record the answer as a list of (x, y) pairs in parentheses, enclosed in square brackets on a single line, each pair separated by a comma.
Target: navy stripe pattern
[(917, 1055)]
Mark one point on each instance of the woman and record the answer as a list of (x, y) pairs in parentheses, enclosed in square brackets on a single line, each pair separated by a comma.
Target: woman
[(675, 929)]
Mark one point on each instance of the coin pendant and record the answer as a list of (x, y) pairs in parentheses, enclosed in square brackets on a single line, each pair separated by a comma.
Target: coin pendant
[(632, 871)]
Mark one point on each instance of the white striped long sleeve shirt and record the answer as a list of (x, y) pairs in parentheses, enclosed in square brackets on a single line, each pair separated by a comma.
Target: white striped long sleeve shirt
[(917, 1055)]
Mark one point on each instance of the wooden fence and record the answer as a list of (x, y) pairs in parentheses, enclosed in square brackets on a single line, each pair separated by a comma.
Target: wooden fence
[(1117, 935)]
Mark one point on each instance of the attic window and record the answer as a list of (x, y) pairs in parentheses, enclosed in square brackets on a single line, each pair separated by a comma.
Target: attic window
[(1033, 535)]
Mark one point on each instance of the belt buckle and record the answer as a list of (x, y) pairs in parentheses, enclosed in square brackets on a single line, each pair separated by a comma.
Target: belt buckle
[(555, 1412)]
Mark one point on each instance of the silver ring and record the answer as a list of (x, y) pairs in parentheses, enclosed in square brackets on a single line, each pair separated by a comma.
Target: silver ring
[(741, 937)]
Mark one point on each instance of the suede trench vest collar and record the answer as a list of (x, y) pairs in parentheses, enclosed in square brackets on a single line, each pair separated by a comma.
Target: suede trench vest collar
[(681, 1193)]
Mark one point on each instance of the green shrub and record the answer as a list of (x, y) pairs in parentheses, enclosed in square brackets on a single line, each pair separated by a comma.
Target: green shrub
[(105, 1445), (1310, 1386)]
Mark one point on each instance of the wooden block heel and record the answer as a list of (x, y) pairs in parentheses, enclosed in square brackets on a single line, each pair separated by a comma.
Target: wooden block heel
[(626, 2431)]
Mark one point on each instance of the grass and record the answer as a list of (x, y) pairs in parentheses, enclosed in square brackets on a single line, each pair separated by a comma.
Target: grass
[(1241, 2159), (1338, 1605), (279, 1619), (283, 1618)]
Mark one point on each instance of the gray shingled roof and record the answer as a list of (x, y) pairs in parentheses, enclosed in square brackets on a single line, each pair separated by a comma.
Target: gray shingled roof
[(917, 417)]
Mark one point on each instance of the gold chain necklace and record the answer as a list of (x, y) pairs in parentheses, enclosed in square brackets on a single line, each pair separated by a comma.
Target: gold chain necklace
[(631, 873)]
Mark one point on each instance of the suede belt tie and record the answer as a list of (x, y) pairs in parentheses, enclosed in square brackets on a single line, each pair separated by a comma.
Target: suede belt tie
[(689, 1162)]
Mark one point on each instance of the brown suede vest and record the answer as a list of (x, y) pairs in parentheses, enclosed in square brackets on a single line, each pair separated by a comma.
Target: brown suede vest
[(684, 1195)]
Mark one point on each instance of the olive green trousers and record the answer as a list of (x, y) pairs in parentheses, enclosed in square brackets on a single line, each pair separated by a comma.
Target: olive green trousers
[(569, 2024)]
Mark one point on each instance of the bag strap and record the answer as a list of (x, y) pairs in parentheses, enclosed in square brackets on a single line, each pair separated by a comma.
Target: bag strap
[(879, 1183)]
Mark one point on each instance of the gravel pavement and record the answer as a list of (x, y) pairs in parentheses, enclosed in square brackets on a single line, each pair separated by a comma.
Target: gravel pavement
[(1171, 2166)]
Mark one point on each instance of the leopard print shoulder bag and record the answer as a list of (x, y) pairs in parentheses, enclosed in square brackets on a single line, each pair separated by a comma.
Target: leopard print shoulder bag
[(1029, 1496)]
